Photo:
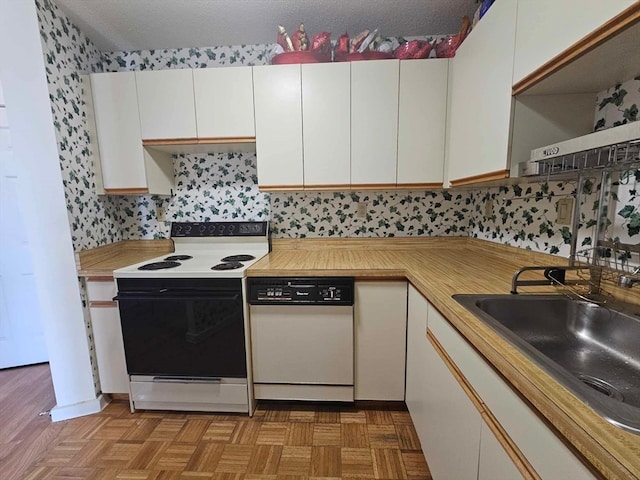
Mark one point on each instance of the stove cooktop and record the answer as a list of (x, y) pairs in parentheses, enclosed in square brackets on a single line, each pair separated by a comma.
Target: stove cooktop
[(206, 250)]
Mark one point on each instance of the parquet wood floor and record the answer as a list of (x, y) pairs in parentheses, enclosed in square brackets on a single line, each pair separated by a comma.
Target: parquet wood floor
[(292, 441)]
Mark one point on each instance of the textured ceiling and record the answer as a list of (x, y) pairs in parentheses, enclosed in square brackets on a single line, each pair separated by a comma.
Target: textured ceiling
[(117, 25)]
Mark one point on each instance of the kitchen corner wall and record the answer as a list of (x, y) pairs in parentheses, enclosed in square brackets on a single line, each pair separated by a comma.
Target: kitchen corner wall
[(224, 186), (69, 55)]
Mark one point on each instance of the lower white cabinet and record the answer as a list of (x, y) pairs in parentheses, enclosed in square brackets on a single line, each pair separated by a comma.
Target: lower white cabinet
[(494, 463), (418, 384), (451, 439), (380, 318), (107, 336), (544, 450)]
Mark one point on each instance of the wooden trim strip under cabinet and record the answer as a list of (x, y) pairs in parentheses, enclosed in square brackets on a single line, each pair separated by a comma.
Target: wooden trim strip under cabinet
[(162, 142), (125, 191), (418, 186), (614, 26), (485, 177), (102, 304), (326, 187), (373, 186), (514, 453), (280, 188)]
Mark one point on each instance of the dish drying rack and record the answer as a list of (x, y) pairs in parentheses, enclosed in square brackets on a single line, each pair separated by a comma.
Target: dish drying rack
[(609, 261), (610, 156)]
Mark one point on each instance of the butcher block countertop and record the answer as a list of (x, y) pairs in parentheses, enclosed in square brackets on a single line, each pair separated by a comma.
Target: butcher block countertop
[(102, 261), (438, 267), (441, 267)]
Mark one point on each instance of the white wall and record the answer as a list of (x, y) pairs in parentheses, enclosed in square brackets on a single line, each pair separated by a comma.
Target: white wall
[(22, 74)]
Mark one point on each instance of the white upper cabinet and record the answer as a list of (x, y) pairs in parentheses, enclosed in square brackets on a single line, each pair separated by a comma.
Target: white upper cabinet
[(326, 120), (278, 110), (166, 103), (374, 122), (115, 103), (126, 167), (545, 28), (480, 109), (224, 102), (421, 124)]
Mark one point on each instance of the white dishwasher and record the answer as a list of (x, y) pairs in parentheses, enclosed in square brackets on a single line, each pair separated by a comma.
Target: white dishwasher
[(302, 337)]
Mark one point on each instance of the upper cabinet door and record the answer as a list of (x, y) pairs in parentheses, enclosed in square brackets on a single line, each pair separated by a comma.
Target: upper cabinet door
[(165, 99), (278, 109), (480, 109), (326, 120), (374, 122), (115, 103), (421, 124), (224, 102), (546, 28)]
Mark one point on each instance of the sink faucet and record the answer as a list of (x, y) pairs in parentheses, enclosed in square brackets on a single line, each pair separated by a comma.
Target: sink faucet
[(554, 275), (628, 281)]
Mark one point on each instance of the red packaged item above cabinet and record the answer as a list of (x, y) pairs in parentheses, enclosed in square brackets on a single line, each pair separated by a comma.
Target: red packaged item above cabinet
[(413, 49)]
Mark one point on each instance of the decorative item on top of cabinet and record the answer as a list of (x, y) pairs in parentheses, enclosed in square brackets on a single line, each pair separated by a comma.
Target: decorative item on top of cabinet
[(278, 110), (421, 124), (380, 316), (479, 115), (127, 168), (374, 123)]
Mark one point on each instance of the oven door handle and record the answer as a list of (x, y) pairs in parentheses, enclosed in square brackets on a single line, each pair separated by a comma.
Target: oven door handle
[(169, 379), (230, 298)]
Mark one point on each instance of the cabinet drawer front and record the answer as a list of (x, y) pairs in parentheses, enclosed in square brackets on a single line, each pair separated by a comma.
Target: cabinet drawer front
[(101, 291), (545, 451), (190, 394)]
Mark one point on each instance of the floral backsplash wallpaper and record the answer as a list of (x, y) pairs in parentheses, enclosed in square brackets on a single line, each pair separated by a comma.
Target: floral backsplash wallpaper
[(224, 186)]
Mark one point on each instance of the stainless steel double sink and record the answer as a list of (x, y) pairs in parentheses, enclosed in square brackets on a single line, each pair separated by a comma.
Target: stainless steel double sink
[(594, 351)]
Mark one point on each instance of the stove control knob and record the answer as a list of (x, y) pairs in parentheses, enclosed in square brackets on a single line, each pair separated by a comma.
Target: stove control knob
[(202, 228)]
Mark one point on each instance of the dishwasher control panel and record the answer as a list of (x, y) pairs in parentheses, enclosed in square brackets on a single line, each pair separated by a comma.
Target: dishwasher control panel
[(300, 290)]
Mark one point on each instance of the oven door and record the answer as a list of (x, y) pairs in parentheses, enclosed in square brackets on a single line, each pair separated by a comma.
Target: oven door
[(175, 328)]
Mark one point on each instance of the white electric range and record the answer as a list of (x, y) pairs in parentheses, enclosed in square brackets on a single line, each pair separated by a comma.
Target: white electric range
[(185, 321), (206, 250)]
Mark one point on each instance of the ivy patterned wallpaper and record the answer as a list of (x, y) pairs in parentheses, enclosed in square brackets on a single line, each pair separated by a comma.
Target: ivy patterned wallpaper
[(618, 105), (218, 187), (69, 55)]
